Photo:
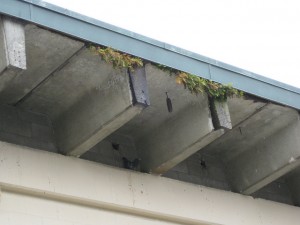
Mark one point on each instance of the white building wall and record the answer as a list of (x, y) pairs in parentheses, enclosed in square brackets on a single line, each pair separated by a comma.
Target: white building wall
[(31, 210), (40, 187)]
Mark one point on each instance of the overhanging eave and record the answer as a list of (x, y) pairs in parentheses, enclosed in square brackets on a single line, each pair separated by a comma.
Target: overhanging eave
[(92, 30)]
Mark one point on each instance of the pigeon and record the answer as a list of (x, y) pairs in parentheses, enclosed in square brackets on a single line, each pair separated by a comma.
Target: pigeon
[(131, 165)]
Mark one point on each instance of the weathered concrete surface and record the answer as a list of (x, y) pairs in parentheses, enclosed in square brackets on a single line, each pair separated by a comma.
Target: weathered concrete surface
[(3, 57), (173, 158), (87, 99), (173, 137), (201, 169), (77, 132), (242, 108), (26, 128), (277, 191), (12, 50), (105, 153), (50, 86), (266, 121), (268, 159), (177, 139), (84, 76), (13, 42), (139, 86), (220, 114), (159, 82), (45, 52), (293, 182), (75, 191)]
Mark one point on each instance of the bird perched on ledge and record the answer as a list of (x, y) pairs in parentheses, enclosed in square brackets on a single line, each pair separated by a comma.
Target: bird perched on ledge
[(131, 165)]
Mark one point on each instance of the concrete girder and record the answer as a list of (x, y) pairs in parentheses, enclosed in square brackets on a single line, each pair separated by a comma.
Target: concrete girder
[(260, 124), (190, 127), (75, 136), (159, 164), (46, 51), (270, 158), (105, 99), (183, 132), (12, 50)]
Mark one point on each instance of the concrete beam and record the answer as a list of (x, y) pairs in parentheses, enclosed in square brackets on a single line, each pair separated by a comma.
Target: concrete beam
[(269, 159), (293, 181), (101, 111), (95, 132), (12, 50), (182, 135), (96, 192), (46, 51)]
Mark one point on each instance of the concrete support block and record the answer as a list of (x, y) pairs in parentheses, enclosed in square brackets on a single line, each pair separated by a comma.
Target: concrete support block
[(220, 114), (139, 86), (268, 160), (97, 115), (177, 138), (12, 49), (12, 38)]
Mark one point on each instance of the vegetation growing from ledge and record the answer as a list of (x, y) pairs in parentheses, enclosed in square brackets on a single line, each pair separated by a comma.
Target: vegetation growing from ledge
[(214, 90), (117, 59), (193, 83), (196, 85)]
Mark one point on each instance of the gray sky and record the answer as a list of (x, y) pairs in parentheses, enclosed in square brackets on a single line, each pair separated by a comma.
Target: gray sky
[(262, 36)]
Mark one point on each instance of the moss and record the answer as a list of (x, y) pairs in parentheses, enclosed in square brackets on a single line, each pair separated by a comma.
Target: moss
[(197, 85), (193, 83), (117, 59)]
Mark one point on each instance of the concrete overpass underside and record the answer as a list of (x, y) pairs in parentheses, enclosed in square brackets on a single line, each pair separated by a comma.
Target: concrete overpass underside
[(57, 96)]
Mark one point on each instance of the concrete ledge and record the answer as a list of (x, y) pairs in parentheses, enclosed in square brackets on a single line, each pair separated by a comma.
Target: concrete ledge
[(76, 181)]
